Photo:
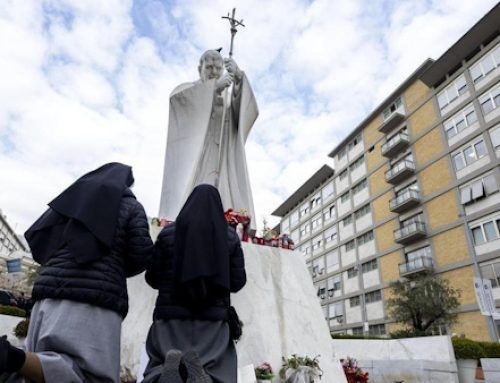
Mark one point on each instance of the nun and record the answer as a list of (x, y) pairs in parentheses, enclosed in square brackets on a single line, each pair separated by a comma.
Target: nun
[(93, 236), (197, 263)]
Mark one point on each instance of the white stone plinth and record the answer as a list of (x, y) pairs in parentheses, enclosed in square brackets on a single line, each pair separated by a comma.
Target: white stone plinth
[(278, 306)]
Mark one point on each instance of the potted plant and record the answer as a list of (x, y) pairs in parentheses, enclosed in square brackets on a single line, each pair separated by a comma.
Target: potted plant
[(300, 369), (353, 373), (264, 373), (467, 353), (491, 362)]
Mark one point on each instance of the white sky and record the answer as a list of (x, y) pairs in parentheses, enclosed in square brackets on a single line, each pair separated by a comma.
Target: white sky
[(83, 83)]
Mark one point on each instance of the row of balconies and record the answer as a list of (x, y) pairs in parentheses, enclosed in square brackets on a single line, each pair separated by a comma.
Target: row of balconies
[(400, 171)]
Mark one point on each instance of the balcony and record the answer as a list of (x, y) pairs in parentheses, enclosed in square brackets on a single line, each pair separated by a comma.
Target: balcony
[(417, 265), (404, 201), (392, 121), (410, 232), (400, 171), (395, 144)]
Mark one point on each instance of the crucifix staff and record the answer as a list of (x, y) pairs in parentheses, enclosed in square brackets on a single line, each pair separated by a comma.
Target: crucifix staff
[(225, 113), (234, 23)]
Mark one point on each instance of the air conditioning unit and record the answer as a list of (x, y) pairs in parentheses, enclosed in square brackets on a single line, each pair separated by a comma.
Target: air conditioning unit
[(340, 319), (330, 292)]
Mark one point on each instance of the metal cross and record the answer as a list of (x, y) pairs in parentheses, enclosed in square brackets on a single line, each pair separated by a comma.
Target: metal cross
[(234, 23)]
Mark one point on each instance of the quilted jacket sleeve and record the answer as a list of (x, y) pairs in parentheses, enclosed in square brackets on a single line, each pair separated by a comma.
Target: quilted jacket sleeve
[(139, 246), (238, 273)]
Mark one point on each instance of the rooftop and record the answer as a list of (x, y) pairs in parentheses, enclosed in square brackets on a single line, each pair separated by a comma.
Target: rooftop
[(483, 32)]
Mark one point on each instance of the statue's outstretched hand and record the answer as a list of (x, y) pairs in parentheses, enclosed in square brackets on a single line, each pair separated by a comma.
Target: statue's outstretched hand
[(233, 68), (224, 82)]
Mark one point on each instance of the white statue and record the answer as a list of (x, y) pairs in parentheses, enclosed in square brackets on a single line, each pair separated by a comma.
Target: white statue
[(208, 126)]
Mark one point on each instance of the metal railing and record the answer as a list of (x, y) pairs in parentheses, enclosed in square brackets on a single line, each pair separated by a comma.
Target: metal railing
[(420, 263), (409, 231), (394, 141), (403, 198)]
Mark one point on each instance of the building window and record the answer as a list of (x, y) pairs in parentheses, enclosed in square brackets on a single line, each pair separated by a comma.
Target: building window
[(365, 238), (305, 209), (469, 154), (490, 100), (321, 290), (461, 120), (315, 201), (376, 329), (327, 191), (305, 249), (354, 301), (344, 197), (355, 141), (347, 221), (369, 266), (305, 229), (332, 261), (491, 272), (356, 164), (374, 296), (362, 212), (392, 108), (331, 234), (413, 219), (350, 245), (452, 91), (317, 243), (352, 272), (316, 222), (318, 266), (486, 65), (359, 187), (423, 252), (337, 311), (294, 218), (285, 225), (478, 189), (495, 136), (486, 231), (329, 213), (295, 236), (333, 285)]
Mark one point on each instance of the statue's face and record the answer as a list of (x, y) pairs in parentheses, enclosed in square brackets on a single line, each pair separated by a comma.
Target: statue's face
[(211, 67)]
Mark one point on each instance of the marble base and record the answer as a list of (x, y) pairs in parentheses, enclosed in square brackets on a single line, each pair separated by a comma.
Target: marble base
[(278, 306)]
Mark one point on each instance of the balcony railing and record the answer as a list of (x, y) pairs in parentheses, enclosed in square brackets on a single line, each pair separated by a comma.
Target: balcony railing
[(410, 232), (404, 201), (395, 144), (417, 265), (400, 171), (392, 121)]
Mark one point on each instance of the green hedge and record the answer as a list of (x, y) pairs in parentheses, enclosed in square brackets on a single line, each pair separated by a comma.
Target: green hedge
[(11, 310), (491, 349), (467, 349), (408, 333)]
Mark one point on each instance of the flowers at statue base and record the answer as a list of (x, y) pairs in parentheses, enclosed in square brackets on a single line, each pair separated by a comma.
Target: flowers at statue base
[(240, 220), (264, 371), (353, 373), (160, 222)]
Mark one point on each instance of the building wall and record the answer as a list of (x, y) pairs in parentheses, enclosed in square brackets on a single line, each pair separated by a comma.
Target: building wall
[(448, 230)]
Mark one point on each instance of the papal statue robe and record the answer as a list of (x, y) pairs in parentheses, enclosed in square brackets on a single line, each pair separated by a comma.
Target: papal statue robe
[(197, 152)]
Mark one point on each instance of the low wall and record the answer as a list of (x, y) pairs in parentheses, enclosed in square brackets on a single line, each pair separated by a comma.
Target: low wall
[(414, 360)]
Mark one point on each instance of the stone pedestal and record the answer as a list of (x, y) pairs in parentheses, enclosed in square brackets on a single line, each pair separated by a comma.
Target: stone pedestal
[(278, 306)]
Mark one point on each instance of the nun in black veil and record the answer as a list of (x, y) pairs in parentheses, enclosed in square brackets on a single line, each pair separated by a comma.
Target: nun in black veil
[(197, 262), (94, 235)]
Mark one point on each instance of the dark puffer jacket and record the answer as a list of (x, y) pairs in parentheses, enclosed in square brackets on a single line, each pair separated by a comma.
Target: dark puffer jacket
[(160, 276), (101, 283)]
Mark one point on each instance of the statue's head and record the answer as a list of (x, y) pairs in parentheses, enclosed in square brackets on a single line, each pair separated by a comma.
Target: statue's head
[(211, 65)]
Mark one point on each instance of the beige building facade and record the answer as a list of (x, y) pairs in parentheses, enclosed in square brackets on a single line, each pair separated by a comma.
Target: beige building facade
[(415, 188)]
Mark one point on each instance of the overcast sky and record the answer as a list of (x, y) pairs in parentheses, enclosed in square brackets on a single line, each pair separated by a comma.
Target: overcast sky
[(83, 83)]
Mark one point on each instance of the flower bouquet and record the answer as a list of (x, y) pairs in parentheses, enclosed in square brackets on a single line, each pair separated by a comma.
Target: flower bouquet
[(300, 369), (353, 373), (235, 218), (264, 372)]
